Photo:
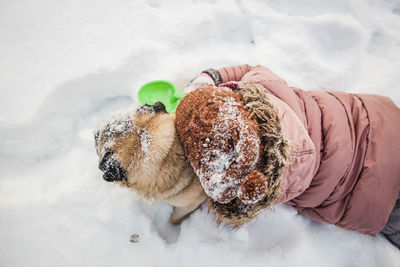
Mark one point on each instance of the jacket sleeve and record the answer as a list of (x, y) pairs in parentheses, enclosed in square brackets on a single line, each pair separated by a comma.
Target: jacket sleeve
[(296, 178), (271, 82), (234, 73)]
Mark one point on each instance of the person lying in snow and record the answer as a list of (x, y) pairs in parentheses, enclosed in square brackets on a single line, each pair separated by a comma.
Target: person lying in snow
[(255, 142)]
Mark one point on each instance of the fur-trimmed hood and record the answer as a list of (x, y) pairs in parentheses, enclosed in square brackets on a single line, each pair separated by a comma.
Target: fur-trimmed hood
[(256, 186)]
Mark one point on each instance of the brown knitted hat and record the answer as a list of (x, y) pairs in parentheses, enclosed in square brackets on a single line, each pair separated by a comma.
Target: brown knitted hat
[(222, 142)]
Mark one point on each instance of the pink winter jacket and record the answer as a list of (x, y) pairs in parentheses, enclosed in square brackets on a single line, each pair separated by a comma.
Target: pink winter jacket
[(344, 151)]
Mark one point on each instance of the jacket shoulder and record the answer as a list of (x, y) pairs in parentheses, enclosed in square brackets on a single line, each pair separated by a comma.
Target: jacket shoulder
[(297, 177)]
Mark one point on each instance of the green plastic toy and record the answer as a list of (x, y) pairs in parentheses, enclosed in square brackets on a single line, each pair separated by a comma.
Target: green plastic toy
[(160, 91)]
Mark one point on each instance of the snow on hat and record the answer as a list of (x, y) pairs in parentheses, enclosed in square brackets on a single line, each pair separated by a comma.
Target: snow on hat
[(221, 139)]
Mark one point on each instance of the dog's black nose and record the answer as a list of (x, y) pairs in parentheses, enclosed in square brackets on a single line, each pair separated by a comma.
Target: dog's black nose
[(114, 173), (111, 168)]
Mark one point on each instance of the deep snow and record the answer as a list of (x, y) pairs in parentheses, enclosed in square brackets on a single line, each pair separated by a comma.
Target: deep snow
[(65, 65)]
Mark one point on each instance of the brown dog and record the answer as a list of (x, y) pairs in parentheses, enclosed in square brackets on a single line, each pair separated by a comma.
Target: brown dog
[(140, 149)]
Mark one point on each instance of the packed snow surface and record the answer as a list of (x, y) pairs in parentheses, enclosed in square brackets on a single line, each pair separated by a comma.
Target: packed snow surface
[(65, 65)]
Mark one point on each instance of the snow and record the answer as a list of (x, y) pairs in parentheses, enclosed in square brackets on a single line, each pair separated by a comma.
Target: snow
[(119, 121), (65, 65), (217, 182), (145, 141)]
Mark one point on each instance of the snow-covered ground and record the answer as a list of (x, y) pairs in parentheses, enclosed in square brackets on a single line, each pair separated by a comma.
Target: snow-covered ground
[(64, 65)]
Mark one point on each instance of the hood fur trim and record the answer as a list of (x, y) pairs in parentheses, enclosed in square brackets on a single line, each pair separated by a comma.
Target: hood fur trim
[(275, 158)]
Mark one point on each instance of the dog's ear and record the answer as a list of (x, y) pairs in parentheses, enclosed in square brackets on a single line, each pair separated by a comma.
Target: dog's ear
[(158, 107)]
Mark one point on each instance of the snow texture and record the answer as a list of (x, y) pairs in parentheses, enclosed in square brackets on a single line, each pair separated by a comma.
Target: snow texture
[(121, 122), (215, 179), (65, 65), (118, 122)]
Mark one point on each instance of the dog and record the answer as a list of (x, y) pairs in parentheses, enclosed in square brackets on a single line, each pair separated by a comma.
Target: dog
[(139, 149)]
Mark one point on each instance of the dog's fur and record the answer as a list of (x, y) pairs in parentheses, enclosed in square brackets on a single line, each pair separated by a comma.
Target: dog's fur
[(155, 168), (151, 159)]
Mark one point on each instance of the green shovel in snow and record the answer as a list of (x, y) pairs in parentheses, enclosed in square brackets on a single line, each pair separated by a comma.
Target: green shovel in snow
[(160, 91)]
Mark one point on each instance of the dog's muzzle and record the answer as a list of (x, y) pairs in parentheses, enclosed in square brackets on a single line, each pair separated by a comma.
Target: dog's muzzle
[(111, 168)]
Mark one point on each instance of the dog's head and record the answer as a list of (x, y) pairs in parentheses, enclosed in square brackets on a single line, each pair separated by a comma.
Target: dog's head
[(131, 142)]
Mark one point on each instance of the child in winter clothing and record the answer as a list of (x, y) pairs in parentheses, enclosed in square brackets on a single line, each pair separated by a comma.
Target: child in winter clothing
[(254, 142)]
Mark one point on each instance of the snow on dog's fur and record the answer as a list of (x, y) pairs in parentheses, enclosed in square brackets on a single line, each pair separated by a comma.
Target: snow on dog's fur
[(140, 149)]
